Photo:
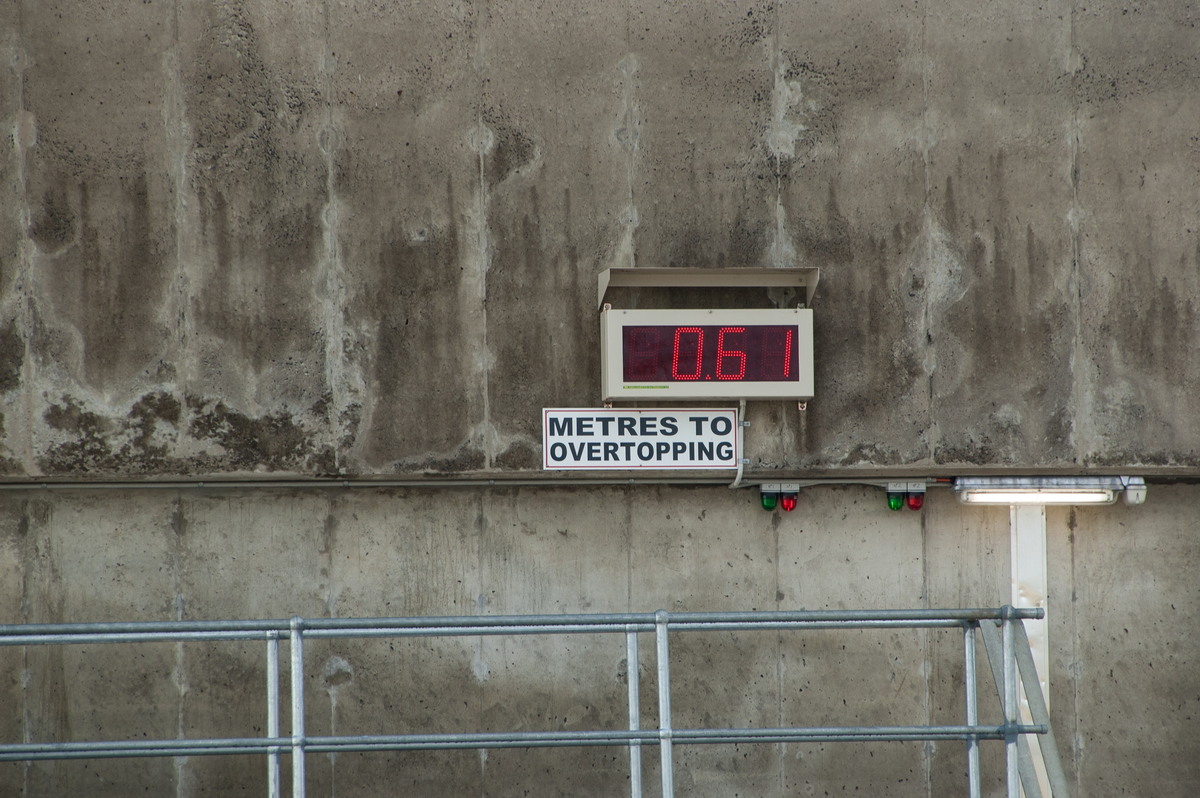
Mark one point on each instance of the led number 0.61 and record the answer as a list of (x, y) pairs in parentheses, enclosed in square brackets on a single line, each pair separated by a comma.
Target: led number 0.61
[(743, 353)]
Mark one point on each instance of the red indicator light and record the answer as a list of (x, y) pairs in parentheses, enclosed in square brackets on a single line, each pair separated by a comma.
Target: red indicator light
[(687, 353), (916, 501), (788, 502)]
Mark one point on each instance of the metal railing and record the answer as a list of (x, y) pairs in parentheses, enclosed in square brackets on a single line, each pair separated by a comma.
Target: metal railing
[(1001, 630)]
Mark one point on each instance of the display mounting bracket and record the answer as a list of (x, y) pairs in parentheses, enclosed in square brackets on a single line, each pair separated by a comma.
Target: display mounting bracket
[(801, 278)]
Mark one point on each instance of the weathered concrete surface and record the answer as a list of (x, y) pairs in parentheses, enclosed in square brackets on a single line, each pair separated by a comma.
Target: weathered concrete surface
[(1123, 638), (249, 237), (14, 434), (1139, 160), (999, 188), (1123, 681), (244, 236)]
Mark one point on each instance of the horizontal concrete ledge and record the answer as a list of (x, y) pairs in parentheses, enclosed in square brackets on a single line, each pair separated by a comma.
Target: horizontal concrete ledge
[(807, 479)]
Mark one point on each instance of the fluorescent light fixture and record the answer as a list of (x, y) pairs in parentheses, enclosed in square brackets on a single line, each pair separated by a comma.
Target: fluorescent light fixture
[(1049, 490)]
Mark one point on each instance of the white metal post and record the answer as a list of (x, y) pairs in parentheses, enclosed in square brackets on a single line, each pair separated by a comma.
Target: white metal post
[(297, 646), (664, 705), (975, 784), (273, 712), (635, 711), (1030, 589), (1012, 778)]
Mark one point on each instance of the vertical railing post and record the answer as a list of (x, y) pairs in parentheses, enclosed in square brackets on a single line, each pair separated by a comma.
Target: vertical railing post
[(664, 705), (635, 710), (1011, 704), (273, 711), (297, 708), (974, 782)]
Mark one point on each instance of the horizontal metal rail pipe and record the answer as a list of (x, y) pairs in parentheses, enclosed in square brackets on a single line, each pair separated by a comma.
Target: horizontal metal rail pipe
[(559, 739), (184, 631), (652, 737)]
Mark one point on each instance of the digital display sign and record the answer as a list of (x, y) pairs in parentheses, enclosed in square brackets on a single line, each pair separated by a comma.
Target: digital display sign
[(684, 353), (707, 354)]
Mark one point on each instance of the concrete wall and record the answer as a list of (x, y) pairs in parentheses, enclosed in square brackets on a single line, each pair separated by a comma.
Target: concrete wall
[(1123, 602), (252, 235), (256, 238)]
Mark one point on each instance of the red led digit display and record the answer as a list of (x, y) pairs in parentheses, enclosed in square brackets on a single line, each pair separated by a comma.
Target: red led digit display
[(744, 353)]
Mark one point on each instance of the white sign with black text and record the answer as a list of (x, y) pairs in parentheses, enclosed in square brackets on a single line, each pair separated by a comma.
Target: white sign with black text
[(608, 438)]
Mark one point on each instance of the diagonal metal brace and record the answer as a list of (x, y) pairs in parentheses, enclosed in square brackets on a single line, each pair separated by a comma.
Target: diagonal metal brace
[(1037, 707)]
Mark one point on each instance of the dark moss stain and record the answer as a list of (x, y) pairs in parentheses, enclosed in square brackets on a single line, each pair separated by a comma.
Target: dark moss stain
[(12, 357), (465, 458), (54, 223), (71, 417), (101, 444), (275, 441), (145, 440), (146, 413), (350, 423), (88, 450), (7, 464), (520, 456)]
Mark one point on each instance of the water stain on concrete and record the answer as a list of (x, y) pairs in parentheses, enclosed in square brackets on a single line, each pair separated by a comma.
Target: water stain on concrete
[(259, 188), (426, 354), (55, 223), (106, 269), (12, 356)]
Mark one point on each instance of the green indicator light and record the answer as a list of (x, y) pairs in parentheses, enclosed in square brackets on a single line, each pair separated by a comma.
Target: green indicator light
[(895, 500), (769, 500)]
